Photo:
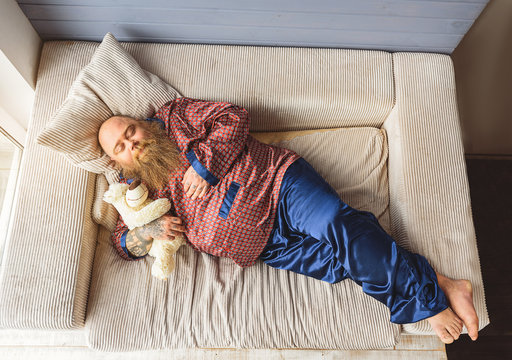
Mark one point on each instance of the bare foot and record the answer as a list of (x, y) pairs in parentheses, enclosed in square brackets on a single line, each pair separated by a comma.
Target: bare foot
[(446, 325), (460, 296)]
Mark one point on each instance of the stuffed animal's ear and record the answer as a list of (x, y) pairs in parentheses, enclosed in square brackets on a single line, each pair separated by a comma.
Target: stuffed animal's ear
[(108, 196), (115, 192)]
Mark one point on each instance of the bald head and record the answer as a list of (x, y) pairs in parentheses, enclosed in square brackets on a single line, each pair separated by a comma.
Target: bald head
[(110, 129)]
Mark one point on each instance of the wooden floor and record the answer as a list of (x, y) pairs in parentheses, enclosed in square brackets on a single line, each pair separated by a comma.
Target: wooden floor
[(71, 345), (490, 184)]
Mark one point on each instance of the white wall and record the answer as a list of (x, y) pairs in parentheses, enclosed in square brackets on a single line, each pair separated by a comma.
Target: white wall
[(20, 48), (19, 41)]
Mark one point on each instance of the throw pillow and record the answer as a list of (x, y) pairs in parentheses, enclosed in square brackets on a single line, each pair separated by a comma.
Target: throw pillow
[(113, 83)]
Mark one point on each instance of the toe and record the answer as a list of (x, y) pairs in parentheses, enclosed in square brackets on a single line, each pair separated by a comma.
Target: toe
[(472, 329), (445, 336), (458, 327), (453, 332)]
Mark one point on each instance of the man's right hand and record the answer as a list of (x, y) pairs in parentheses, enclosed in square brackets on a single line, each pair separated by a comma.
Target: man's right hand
[(139, 240), (164, 228)]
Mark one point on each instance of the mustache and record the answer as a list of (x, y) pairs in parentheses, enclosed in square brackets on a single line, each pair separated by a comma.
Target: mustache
[(141, 146), (155, 157)]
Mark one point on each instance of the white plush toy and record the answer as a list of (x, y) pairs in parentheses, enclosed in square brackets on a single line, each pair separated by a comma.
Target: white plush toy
[(131, 201)]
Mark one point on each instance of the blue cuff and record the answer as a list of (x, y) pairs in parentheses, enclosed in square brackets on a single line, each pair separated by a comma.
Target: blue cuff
[(123, 245), (200, 169), (162, 124), (121, 177), (228, 200)]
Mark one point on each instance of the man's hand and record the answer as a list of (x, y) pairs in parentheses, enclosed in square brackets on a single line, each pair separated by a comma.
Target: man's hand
[(140, 239), (165, 227), (194, 185)]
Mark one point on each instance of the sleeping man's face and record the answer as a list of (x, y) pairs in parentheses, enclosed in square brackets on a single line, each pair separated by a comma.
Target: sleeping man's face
[(141, 148)]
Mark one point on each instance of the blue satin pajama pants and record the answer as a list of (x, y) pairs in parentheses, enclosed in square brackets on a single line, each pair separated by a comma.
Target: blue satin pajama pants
[(318, 235)]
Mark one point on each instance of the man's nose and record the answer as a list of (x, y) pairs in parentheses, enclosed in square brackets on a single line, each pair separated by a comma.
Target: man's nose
[(133, 144)]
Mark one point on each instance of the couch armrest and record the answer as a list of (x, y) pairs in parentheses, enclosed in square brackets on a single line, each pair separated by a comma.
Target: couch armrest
[(47, 263), (429, 192)]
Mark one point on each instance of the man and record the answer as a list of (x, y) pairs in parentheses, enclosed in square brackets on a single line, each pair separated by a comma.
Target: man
[(236, 197)]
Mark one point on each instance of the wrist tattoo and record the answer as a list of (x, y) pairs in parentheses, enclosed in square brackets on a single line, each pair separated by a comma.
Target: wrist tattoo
[(137, 243)]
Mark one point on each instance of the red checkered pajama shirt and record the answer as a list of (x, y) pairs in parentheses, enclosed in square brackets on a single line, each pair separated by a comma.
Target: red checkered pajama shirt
[(235, 217)]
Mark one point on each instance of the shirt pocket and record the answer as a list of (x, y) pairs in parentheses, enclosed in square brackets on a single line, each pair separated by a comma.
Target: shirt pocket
[(228, 200), (248, 210)]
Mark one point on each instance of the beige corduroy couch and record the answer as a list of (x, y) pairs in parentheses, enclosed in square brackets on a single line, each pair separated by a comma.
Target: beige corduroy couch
[(394, 148)]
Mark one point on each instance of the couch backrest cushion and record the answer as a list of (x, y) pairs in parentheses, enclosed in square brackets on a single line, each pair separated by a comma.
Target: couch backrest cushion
[(283, 89)]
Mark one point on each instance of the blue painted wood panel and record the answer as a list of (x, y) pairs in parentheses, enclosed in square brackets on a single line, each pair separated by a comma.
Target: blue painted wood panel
[(393, 25)]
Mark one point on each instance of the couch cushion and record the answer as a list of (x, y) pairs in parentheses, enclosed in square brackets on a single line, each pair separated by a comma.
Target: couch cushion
[(211, 302)]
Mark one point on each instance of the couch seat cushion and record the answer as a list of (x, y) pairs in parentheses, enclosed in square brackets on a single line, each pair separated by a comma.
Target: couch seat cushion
[(211, 302)]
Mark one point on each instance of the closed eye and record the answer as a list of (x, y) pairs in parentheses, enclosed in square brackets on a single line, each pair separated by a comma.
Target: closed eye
[(119, 148), (130, 131)]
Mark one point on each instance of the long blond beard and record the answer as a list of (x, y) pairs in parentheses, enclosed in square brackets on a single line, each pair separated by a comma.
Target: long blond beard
[(159, 159)]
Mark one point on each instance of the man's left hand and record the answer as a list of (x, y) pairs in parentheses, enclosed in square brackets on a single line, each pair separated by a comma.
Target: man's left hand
[(194, 185)]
